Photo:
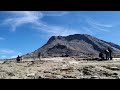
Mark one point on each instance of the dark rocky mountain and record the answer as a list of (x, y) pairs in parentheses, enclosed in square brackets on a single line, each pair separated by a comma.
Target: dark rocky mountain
[(81, 45)]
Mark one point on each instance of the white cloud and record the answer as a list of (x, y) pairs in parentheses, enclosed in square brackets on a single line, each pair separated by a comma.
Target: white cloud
[(1, 38), (23, 17), (89, 19), (6, 51), (14, 56), (56, 30), (88, 30), (98, 26), (3, 57), (20, 18), (55, 13)]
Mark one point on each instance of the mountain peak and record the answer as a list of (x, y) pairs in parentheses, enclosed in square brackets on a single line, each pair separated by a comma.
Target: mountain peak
[(80, 45), (69, 37)]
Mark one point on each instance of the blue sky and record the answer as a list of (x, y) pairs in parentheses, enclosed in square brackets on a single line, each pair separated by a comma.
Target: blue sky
[(22, 32)]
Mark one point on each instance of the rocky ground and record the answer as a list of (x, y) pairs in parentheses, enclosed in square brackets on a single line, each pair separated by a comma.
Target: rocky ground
[(60, 68)]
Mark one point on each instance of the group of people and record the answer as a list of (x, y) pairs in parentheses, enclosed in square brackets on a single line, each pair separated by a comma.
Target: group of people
[(19, 58), (108, 54)]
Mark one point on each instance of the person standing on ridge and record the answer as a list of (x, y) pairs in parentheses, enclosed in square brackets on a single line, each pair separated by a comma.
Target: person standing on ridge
[(106, 54), (39, 54), (110, 53), (18, 59), (101, 56)]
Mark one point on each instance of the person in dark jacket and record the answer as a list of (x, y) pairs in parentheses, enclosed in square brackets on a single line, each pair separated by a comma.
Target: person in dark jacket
[(39, 54), (101, 56), (18, 59), (106, 54), (110, 53)]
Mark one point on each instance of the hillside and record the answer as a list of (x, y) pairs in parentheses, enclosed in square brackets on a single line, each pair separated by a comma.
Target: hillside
[(81, 45)]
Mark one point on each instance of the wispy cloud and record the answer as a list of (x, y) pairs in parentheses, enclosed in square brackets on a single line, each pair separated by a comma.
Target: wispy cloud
[(92, 21), (19, 18), (88, 30), (55, 13), (3, 57), (1, 38), (35, 18), (7, 53), (14, 56), (97, 25), (56, 30), (22, 17)]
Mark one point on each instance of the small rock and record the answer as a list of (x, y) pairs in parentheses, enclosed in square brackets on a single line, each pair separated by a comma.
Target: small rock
[(30, 75), (114, 68), (10, 74), (14, 77), (2, 62), (115, 74), (94, 77), (59, 76)]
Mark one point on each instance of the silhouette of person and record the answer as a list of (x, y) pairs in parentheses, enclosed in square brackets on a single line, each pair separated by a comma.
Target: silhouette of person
[(101, 56), (110, 53), (106, 54), (39, 54), (18, 59)]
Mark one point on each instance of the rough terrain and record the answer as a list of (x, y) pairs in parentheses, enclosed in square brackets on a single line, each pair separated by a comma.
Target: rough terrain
[(60, 68)]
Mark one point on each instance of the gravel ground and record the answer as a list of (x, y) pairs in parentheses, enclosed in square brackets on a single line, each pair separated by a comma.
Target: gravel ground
[(60, 68)]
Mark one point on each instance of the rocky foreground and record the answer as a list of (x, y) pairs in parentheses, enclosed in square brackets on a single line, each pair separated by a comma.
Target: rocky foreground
[(60, 68)]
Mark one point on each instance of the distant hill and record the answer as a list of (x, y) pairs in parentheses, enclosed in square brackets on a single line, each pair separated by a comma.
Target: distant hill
[(81, 45)]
